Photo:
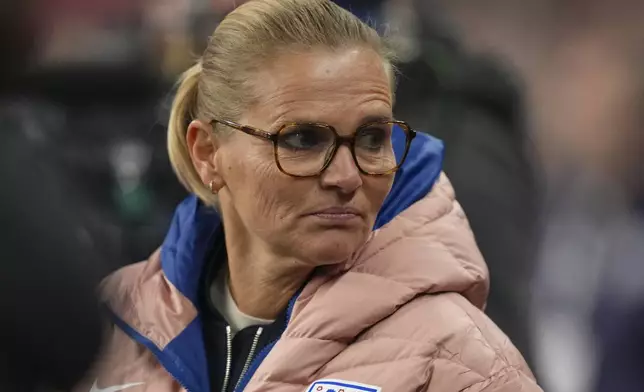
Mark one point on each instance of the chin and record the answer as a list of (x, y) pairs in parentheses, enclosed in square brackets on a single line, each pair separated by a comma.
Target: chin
[(333, 247)]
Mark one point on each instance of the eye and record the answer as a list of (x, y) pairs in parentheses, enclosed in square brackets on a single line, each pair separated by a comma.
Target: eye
[(305, 137), (374, 137)]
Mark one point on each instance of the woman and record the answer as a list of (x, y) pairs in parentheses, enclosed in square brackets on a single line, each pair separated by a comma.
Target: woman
[(272, 277)]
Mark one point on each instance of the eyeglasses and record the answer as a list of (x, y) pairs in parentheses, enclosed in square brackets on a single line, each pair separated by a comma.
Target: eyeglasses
[(307, 149)]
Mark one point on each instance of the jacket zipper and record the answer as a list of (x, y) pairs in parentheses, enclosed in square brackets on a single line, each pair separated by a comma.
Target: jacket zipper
[(254, 364), (229, 358), (251, 355), (251, 363)]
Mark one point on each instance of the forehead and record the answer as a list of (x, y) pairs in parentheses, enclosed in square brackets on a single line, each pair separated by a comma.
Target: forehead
[(337, 87)]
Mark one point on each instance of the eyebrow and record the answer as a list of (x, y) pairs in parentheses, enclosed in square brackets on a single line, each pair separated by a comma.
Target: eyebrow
[(372, 118), (363, 121)]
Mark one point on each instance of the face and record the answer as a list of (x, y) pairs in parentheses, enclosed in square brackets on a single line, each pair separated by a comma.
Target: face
[(319, 220)]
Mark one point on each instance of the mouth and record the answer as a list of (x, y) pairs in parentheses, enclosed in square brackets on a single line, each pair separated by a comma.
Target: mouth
[(338, 214)]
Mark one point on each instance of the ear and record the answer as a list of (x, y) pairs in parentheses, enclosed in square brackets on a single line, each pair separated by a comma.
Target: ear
[(203, 147)]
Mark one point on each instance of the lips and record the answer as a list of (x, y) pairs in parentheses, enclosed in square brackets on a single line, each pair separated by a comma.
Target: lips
[(338, 213)]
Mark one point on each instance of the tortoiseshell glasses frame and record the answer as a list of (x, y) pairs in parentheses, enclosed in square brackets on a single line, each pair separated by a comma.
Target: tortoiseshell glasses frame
[(332, 148)]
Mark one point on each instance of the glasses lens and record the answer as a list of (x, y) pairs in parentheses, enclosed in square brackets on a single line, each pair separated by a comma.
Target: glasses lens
[(302, 149), (374, 147)]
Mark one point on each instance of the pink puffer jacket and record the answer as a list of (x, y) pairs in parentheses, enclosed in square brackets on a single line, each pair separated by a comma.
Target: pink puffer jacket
[(405, 314)]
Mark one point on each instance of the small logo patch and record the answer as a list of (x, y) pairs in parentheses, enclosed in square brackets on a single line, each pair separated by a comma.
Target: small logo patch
[(340, 386)]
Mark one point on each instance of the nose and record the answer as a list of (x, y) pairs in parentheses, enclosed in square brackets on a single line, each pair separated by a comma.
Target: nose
[(342, 173)]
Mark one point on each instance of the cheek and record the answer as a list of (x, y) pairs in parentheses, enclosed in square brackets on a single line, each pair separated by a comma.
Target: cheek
[(261, 193), (271, 198), (376, 190)]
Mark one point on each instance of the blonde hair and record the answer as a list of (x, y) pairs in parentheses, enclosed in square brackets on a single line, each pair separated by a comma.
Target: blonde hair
[(218, 85)]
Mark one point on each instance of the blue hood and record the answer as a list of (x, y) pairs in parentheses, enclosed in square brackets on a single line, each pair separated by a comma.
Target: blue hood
[(191, 235)]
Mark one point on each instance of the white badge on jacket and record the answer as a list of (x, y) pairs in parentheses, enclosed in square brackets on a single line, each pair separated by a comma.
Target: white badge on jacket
[(341, 386)]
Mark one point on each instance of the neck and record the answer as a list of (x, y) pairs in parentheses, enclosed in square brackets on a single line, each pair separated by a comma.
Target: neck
[(262, 283)]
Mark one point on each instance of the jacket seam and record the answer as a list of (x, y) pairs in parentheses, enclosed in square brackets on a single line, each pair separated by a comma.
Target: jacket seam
[(506, 369), (487, 343), (384, 337)]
